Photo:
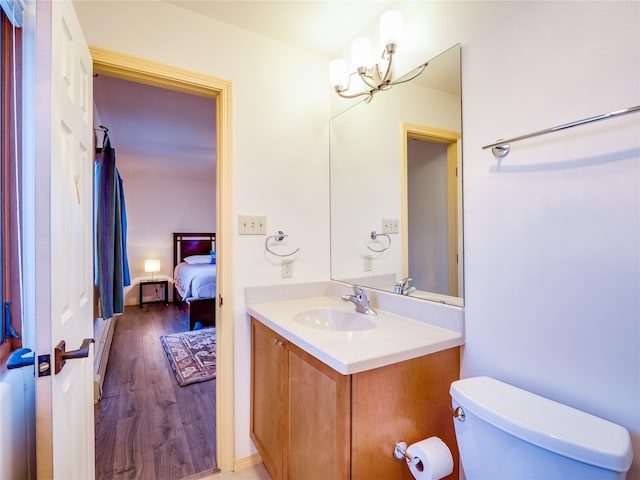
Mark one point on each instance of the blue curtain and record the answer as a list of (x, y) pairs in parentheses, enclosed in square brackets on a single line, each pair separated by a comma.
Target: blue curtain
[(112, 265)]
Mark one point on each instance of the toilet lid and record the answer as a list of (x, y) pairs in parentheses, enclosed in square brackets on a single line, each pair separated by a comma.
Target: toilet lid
[(545, 423)]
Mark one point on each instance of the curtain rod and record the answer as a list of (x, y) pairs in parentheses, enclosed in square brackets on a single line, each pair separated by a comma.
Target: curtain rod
[(501, 148)]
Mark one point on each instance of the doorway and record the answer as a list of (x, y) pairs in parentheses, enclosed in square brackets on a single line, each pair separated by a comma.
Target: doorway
[(430, 209), (151, 73)]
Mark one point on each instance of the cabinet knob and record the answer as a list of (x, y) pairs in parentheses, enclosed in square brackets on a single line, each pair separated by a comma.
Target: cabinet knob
[(277, 342)]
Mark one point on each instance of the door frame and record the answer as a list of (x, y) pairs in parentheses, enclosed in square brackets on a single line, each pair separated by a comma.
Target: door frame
[(452, 140), (151, 73)]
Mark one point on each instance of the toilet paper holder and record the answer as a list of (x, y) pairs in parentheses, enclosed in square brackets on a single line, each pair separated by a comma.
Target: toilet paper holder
[(400, 453), (400, 448)]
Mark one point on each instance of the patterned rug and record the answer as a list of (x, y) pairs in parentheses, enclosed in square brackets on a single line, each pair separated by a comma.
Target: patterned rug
[(192, 355)]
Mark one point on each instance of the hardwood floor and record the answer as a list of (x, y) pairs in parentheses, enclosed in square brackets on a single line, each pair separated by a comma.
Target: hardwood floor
[(148, 427)]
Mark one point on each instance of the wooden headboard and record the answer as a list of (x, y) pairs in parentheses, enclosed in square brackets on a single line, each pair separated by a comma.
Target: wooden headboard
[(186, 244)]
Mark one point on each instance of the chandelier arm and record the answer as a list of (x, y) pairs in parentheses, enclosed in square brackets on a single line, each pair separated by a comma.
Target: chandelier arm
[(368, 80), (369, 76), (338, 88), (353, 95), (386, 79), (402, 79)]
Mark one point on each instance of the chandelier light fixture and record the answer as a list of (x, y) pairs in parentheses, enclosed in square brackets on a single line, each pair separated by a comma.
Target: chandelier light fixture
[(374, 76)]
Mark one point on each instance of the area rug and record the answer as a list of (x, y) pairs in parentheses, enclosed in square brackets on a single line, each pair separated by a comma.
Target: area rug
[(192, 355)]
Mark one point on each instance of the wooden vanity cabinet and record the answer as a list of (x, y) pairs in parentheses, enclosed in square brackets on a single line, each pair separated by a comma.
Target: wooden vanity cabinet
[(310, 422), (267, 397), (406, 401), (300, 410), (317, 419)]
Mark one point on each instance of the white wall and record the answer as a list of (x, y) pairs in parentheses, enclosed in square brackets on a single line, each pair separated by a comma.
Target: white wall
[(551, 233), (158, 204), (366, 145), (280, 142), (161, 200)]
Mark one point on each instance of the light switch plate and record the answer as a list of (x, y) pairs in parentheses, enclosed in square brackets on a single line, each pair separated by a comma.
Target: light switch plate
[(390, 225), (252, 225)]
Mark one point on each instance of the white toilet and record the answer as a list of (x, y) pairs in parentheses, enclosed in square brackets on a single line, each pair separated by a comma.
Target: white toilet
[(510, 433)]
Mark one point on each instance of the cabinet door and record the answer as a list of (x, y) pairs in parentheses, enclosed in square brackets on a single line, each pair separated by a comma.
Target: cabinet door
[(267, 363), (406, 401), (318, 423)]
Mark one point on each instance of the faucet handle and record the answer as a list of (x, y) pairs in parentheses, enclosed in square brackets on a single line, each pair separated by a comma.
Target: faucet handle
[(360, 299), (359, 291)]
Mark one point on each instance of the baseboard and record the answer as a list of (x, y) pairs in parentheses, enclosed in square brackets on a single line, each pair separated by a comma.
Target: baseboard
[(104, 334), (211, 474), (215, 474), (247, 462)]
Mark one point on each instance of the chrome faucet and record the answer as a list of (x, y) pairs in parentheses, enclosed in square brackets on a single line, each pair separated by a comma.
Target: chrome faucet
[(360, 299), (403, 287)]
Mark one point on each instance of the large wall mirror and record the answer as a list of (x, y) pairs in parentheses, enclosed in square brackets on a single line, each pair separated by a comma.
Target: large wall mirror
[(396, 170)]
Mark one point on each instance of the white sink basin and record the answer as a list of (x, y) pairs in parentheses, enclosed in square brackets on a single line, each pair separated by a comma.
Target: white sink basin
[(333, 319)]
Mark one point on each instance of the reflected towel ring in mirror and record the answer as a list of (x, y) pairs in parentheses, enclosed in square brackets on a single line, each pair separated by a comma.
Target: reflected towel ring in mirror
[(374, 236), (278, 237)]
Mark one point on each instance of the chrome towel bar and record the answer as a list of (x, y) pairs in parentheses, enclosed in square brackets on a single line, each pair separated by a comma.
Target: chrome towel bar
[(278, 237), (501, 148), (374, 236)]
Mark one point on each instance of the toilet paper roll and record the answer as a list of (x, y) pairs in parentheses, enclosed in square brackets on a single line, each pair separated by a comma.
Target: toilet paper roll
[(432, 459)]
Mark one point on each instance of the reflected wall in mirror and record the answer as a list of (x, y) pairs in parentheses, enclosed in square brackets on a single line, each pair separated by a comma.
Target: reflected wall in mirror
[(396, 171)]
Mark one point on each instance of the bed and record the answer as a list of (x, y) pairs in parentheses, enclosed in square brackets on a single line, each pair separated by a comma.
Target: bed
[(194, 276)]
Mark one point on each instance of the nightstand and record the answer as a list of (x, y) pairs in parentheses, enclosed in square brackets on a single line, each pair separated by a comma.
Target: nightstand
[(162, 283)]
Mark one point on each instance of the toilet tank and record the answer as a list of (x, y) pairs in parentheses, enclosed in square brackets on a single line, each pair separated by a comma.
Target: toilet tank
[(512, 433)]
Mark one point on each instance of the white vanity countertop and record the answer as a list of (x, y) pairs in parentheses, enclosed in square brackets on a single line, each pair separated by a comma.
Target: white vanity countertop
[(394, 338)]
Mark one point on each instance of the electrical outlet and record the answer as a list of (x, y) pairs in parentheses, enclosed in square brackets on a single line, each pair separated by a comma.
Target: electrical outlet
[(252, 225), (390, 225), (368, 263), (287, 268)]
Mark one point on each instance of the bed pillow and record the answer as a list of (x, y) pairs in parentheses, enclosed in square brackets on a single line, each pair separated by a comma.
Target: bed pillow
[(193, 259)]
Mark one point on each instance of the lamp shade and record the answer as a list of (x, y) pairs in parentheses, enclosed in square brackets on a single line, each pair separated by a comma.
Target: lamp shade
[(151, 266), (391, 27), (361, 53), (338, 75)]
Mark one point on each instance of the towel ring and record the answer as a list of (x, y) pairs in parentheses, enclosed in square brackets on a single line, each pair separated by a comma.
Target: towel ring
[(374, 236), (278, 237)]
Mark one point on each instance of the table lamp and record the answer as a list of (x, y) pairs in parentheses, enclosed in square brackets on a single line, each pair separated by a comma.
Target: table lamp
[(151, 266)]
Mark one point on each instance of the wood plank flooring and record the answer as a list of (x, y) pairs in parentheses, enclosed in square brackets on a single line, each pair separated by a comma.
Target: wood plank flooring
[(148, 427)]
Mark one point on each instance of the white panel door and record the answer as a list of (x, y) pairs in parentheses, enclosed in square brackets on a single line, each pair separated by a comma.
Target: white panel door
[(64, 251)]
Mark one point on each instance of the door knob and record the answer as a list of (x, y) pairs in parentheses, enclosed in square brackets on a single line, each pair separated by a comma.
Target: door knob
[(62, 355)]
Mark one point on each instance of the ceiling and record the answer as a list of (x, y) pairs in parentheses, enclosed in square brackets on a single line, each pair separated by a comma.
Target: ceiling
[(322, 26), (152, 128)]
